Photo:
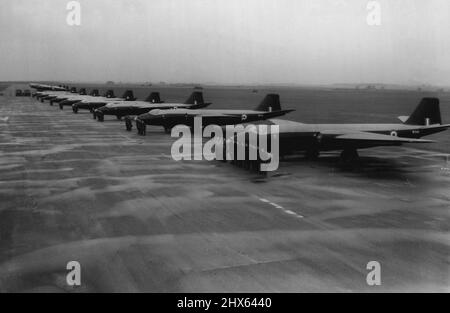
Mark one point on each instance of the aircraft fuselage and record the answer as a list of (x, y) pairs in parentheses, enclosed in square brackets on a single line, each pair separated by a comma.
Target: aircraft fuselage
[(171, 118), (137, 107), (322, 137)]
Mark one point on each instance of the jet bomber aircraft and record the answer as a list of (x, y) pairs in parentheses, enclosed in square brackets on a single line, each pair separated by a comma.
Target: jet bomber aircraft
[(44, 92), (52, 95), (97, 102), (69, 101), (270, 107), (59, 97), (44, 87), (65, 95), (297, 137), (153, 101)]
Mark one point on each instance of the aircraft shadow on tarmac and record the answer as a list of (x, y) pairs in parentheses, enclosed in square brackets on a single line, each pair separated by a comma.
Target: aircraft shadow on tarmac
[(366, 166)]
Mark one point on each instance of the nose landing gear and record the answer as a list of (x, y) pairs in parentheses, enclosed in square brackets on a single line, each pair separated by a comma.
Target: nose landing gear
[(100, 116), (128, 124), (141, 127)]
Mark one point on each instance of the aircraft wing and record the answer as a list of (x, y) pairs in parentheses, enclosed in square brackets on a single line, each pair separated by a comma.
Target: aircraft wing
[(371, 138), (272, 114), (244, 117), (221, 119)]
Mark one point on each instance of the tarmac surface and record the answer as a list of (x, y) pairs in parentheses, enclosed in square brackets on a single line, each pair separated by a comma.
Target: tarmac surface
[(72, 188)]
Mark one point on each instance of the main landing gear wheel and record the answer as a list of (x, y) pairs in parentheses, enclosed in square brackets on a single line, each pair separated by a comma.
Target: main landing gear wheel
[(100, 117), (119, 117), (128, 124), (141, 128), (312, 154), (167, 130), (60, 106), (349, 156), (75, 109)]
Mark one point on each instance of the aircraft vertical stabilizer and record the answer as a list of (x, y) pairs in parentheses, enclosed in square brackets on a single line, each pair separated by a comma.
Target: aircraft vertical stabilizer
[(195, 98), (426, 113), (154, 98), (270, 103)]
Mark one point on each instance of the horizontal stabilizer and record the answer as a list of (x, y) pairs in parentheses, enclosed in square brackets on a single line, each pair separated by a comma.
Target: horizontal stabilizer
[(276, 113), (403, 118)]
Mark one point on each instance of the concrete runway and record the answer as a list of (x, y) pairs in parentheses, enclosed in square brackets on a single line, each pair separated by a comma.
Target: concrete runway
[(72, 188)]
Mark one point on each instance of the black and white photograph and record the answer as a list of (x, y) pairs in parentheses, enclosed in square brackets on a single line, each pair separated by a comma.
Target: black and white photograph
[(223, 152)]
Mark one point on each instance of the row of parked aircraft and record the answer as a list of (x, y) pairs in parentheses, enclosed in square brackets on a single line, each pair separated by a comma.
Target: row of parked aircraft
[(294, 137)]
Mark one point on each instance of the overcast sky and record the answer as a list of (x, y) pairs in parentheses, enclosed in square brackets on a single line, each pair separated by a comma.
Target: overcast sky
[(227, 41)]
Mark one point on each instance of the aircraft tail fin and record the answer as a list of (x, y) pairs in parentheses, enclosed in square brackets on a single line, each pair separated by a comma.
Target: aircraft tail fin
[(110, 94), (73, 89), (195, 98), (82, 91), (270, 103), (94, 93), (128, 95), (426, 113), (154, 98)]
